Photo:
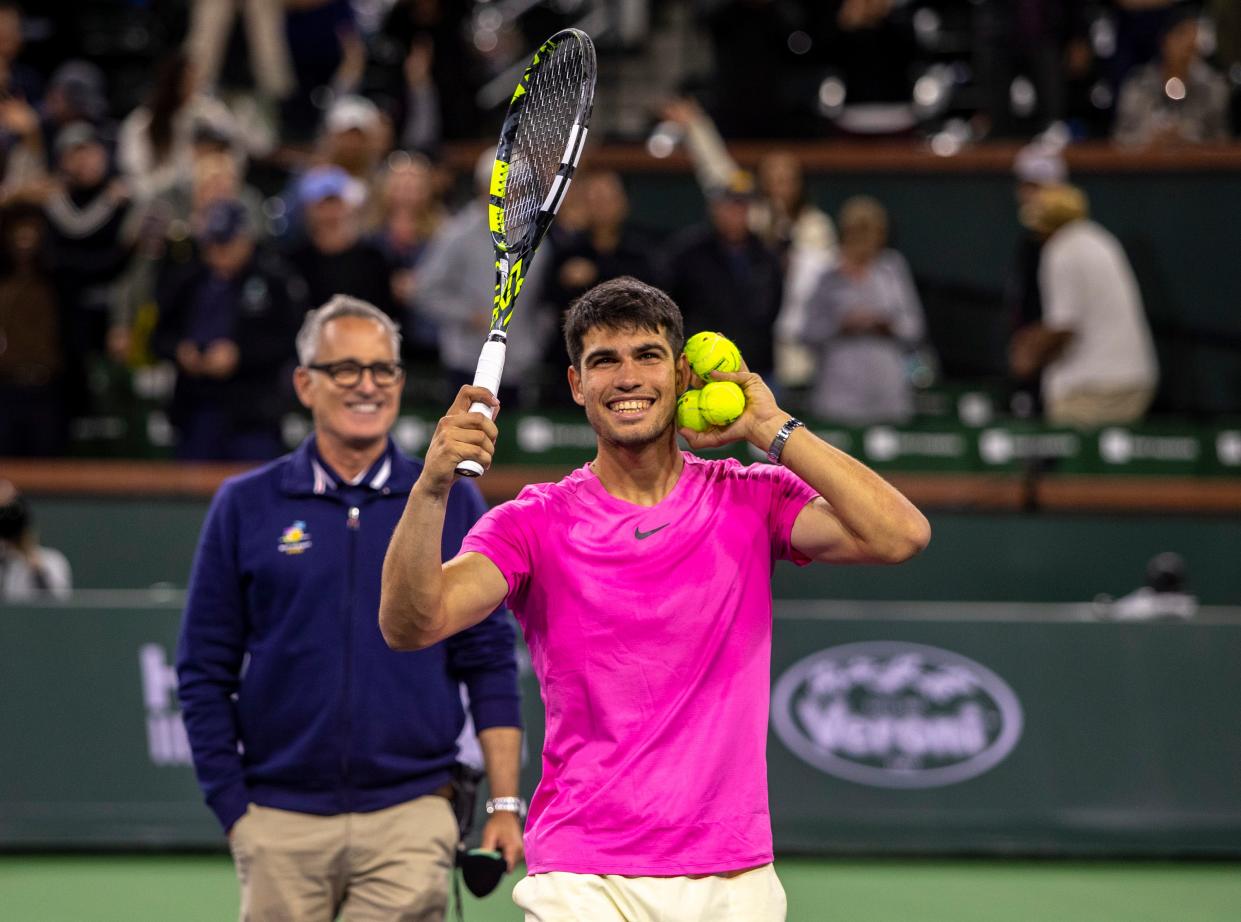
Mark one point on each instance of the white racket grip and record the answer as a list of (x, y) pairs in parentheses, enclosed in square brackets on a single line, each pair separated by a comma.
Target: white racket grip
[(490, 368), (488, 374)]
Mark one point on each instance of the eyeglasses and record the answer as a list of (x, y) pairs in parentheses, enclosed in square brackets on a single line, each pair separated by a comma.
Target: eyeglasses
[(348, 373)]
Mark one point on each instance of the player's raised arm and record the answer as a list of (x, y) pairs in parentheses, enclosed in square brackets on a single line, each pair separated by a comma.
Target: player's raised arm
[(423, 600), (858, 518)]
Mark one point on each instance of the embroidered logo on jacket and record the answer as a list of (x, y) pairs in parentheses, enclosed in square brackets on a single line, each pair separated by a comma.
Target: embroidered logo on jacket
[(294, 539)]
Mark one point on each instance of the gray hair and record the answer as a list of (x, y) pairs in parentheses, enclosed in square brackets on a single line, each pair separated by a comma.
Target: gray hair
[(340, 306)]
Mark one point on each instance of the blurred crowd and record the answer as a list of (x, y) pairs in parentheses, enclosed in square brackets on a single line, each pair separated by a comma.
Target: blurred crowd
[(283, 151), (1140, 71)]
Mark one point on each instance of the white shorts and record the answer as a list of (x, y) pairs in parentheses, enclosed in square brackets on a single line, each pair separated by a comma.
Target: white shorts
[(743, 896)]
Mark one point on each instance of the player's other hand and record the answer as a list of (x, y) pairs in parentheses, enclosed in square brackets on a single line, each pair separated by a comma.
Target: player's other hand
[(460, 436), (755, 421), (503, 834)]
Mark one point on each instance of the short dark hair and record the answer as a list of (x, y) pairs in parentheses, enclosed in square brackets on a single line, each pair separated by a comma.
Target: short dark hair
[(622, 304)]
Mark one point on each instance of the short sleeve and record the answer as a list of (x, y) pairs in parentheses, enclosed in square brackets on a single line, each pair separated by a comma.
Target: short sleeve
[(784, 495), (789, 496), (1057, 282), (504, 535)]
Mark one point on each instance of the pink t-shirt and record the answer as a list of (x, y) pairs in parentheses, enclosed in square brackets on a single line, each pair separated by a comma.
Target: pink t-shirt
[(649, 629)]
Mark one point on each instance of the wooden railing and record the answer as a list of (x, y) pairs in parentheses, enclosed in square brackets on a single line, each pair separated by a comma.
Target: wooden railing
[(830, 156), (944, 491)]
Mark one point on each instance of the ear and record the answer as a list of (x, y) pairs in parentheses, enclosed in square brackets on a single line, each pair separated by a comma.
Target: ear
[(683, 374), (575, 386), (304, 386)]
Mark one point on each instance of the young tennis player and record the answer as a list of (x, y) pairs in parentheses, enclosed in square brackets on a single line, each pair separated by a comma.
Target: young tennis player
[(642, 582)]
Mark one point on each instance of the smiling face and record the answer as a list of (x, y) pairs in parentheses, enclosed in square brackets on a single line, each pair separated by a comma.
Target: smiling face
[(359, 417), (628, 384)]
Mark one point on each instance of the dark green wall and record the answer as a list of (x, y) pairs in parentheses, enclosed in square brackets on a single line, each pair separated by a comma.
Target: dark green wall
[(1125, 738)]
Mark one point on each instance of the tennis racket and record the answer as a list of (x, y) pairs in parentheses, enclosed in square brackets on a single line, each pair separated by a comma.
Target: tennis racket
[(540, 144)]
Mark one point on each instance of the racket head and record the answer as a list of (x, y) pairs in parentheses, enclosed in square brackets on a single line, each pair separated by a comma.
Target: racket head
[(541, 142)]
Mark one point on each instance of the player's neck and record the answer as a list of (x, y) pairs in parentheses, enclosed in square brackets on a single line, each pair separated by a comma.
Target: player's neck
[(643, 475), (348, 461)]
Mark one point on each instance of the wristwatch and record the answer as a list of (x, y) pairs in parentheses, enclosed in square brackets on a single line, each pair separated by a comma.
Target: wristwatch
[(507, 805), (777, 444)]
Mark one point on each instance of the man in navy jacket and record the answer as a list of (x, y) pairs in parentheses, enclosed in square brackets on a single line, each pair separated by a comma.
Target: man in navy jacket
[(326, 756)]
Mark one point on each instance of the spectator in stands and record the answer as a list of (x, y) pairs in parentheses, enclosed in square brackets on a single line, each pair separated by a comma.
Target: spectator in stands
[(335, 258), (871, 44), (164, 234), (155, 147), (1045, 41), (725, 278), (227, 324), (16, 79), (1093, 343), (327, 758), (86, 210), (75, 93), (28, 570), (456, 290), (407, 215), (33, 420), (329, 59), (783, 216), (864, 317), (1037, 165), (356, 137), (750, 37), (270, 70), (21, 145), (607, 247), (1139, 25), (426, 66), (421, 130), (1176, 99)]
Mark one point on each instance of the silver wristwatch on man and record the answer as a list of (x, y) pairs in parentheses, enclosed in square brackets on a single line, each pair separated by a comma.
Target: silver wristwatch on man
[(507, 805)]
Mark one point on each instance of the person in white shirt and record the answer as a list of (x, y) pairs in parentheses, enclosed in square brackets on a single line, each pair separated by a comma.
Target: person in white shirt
[(1093, 343), (27, 570)]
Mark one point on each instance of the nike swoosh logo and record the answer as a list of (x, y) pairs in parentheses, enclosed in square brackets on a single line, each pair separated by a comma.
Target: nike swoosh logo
[(639, 534)]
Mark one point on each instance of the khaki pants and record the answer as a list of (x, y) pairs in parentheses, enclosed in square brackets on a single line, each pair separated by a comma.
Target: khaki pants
[(747, 896), (1090, 409), (393, 865)]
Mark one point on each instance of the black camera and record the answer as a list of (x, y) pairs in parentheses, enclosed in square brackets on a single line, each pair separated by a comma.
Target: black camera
[(480, 869), (14, 519)]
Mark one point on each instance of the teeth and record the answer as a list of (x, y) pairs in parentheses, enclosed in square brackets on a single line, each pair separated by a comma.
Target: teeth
[(630, 406), (365, 407)]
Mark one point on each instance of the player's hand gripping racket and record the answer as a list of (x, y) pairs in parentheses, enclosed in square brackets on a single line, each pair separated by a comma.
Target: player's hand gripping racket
[(540, 144)]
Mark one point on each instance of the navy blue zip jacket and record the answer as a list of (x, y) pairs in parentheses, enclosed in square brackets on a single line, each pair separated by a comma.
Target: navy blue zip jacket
[(290, 696)]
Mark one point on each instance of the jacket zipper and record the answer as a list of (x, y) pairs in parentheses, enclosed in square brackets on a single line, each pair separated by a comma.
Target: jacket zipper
[(352, 523)]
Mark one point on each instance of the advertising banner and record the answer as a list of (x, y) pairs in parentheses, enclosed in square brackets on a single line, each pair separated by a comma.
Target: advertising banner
[(895, 728)]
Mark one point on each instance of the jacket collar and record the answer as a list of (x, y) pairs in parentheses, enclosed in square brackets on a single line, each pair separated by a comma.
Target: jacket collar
[(306, 475)]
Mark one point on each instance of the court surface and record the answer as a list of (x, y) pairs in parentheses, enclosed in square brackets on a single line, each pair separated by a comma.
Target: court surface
[(201, 888)]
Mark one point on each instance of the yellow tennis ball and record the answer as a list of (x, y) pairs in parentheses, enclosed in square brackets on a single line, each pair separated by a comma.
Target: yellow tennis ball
[(689, 415), (708, 352), (721, 402)]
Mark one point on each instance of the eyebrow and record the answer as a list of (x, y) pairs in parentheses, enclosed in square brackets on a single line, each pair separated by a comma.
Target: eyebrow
[(608, 352)]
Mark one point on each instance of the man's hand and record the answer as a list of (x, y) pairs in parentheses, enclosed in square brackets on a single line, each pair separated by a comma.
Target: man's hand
[(865, 322), (757, 424), (460, 436), (418, 63), (189, 359), (503, 834), (221, 358)]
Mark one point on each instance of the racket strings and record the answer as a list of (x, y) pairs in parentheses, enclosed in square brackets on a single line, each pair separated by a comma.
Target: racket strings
[(542, 136)]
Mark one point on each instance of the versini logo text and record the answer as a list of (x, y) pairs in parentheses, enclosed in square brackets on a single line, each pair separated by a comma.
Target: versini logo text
[(897, 715)]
